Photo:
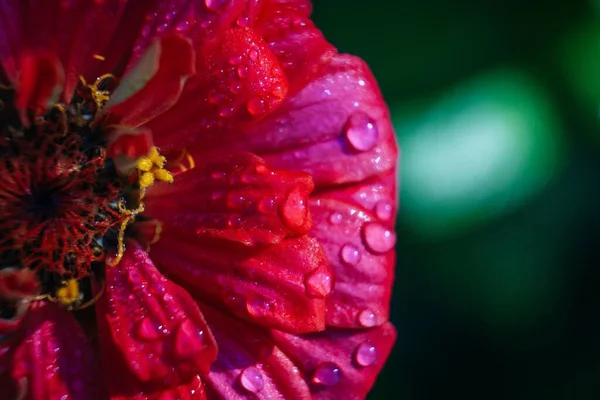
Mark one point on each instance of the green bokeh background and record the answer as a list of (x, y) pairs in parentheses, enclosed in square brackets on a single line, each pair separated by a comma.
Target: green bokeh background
[(496, 108)]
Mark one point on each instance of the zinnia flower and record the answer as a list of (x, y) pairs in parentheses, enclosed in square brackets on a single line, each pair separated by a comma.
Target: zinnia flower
[(197, 201)]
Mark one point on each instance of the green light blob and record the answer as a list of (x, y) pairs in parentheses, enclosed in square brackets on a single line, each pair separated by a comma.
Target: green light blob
[(476, 152)]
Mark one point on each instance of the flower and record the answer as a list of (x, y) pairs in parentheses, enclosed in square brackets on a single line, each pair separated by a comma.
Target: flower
[(197, 201)]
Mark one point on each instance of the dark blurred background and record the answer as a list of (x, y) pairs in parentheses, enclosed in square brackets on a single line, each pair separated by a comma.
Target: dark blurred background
[(496, 106)]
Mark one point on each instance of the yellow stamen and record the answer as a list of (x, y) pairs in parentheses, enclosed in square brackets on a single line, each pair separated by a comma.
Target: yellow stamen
[(120, 243), (151, 168), (146, 180), (99, 57), (144, 164), (68, 293), (163, 175), (184, 162)]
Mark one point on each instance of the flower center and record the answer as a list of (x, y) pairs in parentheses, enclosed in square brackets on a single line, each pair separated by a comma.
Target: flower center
[(61, 198)]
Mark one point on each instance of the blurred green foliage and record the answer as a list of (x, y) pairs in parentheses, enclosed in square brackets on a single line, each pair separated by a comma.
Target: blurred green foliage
[(496, 106)]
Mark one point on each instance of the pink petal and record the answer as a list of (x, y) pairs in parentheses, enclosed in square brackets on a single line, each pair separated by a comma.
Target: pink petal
[(280, 285), (237, 198), (153, 337), (339, 364), (153, 85), (355, 227), (54, 360), (249, 366), (339, 117)]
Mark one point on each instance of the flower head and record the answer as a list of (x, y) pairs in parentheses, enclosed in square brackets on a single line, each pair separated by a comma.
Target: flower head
[(197, 201)]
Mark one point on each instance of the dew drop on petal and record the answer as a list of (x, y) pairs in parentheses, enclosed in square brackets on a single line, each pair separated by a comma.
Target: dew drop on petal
[(188, 340), (235, 88), (243, 21), (253, 54), (266, 205), (378, 238), (335, 218), (258, 306), (145, 329), (361, 132), (327, 374), (365, 354), (242, 71), (226, 111), (252, 379), (235, 60), (256, 106), (350, 254), (384, 210), (367, 318), (214, 5), (293, 210), (318, 284)]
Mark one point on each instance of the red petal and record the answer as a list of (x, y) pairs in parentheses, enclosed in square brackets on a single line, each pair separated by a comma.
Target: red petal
[(153, 85), (54, 360), (249, 365), (17, 284), (72, 30), (280, 286), (359, 244), (152, 334), (238, 78), (298, 45), (339, 364), (237, 198), (193, 390), (339, 117), (40, 82)]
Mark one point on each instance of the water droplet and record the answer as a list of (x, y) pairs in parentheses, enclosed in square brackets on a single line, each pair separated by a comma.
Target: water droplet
[(350, 254), (335, 218), (361, 132), (258, 306), (294, 211), (215, 97), (252, 380), (327, 374), (378, 238), (214, 5), (318, 284), (218, 175), (243, 21), (384, 210), (253, 54), (256, 106), (266, 205), (235, 88), (235, 60), (242, 71), (234, 221), (158, 288), (145, 329), (365, 354), (226, 111), (367, 318), (188, 340), (236, 201)]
